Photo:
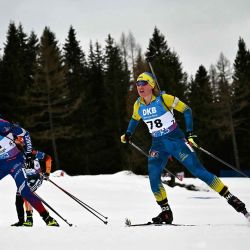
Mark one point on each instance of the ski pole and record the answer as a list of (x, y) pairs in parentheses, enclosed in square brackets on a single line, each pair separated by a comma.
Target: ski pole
[(47, 205), (147, 155), (84, 205), (220, 160), (153, 73), (76, 199), (152, 70)]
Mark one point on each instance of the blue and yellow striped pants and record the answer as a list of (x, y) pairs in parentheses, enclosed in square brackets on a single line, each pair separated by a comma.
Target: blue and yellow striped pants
[(163, 147)]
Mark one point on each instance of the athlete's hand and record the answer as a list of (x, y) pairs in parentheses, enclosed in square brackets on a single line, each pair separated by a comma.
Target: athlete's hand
[(126, 137), (191, 137), (29, 160), (46, 176)]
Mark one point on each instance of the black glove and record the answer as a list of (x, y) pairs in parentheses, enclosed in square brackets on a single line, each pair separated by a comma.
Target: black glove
[(126, 137), (46, 176), (29, 160)]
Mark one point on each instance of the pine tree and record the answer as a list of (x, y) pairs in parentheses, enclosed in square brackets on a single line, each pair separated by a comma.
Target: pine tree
[(240, 101), (140, 64), (1, 66), (224, 120), (201, 102), (17, 71), (76, 79), (30, 52), (94, 104), (167, 66), (31, 55), (200, 99), (76, 64), (49, 96), (116, 82), (11, 74)]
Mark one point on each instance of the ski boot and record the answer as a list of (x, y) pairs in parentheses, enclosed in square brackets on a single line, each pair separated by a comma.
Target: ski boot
[(29, 220), (18, 224), (49, 220), (237, 204), (166, 216)]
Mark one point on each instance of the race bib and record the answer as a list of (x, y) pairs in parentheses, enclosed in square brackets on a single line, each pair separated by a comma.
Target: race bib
[(6, 146), (162, 124)]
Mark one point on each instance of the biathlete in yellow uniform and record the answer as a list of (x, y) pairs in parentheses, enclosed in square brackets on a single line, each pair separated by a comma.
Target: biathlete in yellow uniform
[(156, 110)]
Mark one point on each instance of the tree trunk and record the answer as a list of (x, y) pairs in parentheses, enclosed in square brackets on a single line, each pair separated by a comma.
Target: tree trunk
[(53, 139), (234, 141)]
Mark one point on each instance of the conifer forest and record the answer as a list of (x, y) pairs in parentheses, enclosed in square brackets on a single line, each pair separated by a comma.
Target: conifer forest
[(76, 102)]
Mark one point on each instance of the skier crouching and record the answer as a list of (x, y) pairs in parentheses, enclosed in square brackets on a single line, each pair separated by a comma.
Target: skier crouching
[(41, 164), (12, 161)]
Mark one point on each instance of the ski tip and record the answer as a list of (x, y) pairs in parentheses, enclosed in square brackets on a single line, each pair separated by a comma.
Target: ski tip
[(127, 222), (247, 216)]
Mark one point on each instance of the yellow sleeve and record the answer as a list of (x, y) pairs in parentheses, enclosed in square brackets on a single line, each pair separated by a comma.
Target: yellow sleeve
[(136, 115), (173, 102)]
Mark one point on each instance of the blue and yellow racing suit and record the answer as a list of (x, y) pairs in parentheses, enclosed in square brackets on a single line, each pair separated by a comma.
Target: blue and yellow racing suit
[(169, 140)]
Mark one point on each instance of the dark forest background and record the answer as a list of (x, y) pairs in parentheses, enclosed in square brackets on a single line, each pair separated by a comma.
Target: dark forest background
[(77, 104)]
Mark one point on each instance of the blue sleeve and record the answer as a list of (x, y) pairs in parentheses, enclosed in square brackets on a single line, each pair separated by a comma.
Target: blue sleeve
[(28, 143), (132, 126), (40, 155), (188, 119), (18, 131), (5, 127)]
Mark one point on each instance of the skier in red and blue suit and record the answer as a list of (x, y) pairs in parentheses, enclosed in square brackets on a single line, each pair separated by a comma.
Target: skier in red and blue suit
[(12, 161)]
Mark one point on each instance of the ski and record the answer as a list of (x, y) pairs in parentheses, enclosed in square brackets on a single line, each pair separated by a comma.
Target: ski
[(154, 224), (129, 224)]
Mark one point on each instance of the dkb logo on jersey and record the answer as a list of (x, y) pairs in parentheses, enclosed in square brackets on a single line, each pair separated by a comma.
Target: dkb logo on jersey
[(149, 111)]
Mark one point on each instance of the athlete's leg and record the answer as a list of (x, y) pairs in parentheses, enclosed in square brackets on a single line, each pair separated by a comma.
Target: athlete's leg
[(18, 174), (187, 156), (28, 207), (20, 210), (29, 214), (19, 207), (156, 163)]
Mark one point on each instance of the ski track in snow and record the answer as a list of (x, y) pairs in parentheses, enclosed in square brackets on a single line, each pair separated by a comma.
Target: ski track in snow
[(124, 195)]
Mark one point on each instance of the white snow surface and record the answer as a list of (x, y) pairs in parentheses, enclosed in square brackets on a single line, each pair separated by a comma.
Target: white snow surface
[(125, 195)]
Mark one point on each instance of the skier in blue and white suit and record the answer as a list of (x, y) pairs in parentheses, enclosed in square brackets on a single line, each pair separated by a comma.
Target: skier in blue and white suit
[(12, 160), (156, 110)]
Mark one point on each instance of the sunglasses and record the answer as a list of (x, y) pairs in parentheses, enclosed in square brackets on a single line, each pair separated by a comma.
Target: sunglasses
[(141, 83)]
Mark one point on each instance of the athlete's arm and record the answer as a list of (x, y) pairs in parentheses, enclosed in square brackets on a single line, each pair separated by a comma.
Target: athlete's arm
[(135, 119), (173, 102)]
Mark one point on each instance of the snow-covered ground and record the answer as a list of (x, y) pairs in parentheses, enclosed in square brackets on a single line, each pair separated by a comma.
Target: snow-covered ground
[(126, 195)]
